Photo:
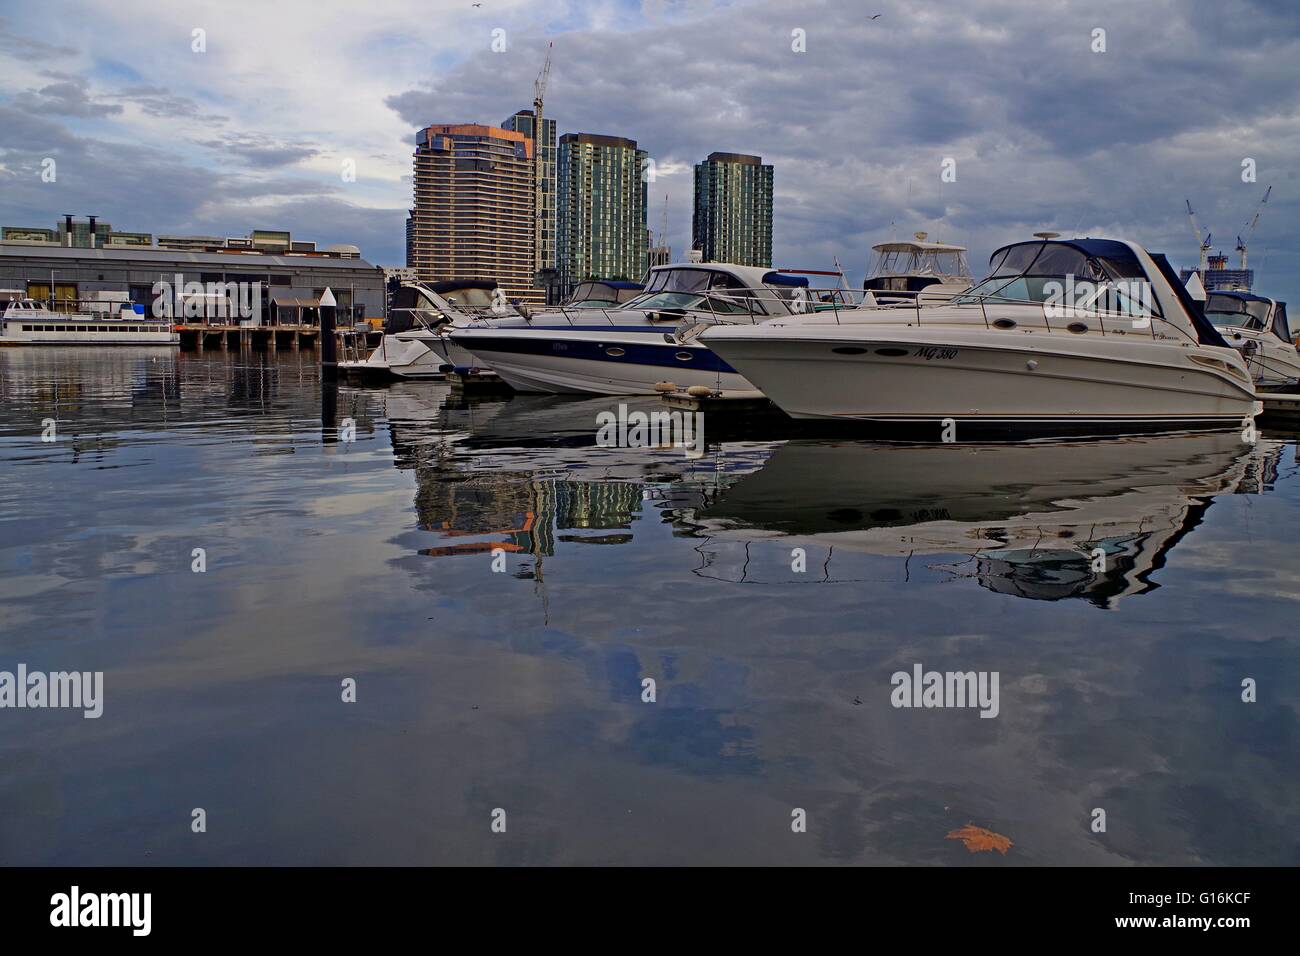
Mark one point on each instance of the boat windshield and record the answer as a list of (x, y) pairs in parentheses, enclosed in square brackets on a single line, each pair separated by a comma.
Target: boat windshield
[(469, 297), (687, 302), (1057, 273), (602, 294), (920, 262), (703, 290), (1229, 311)]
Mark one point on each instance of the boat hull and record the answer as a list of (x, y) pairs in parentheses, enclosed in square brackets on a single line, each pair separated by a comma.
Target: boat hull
[(397, 358), (618, 362), (905, 375), (20, 334), (1273, 364)]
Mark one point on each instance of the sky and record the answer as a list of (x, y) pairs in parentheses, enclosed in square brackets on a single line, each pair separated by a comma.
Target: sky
[(1042, 122)]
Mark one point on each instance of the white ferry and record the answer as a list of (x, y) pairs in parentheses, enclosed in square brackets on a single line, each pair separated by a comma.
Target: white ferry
[(32, 322)]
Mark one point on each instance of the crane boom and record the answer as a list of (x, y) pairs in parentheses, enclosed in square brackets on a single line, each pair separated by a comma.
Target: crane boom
[(1250, 228), (539, 164), (1203, 241)]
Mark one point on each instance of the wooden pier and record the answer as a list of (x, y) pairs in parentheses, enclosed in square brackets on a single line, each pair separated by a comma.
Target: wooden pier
[(201, 337)]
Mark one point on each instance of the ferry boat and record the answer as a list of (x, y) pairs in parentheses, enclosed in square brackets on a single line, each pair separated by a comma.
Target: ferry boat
[(32, 322)]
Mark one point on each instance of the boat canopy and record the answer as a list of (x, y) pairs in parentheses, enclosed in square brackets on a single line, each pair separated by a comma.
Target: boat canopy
[(718, 287), (1206, 333), (1025, 271), (780, 278), (1245, 310), (604, 292), (913, 265), (412, 297), (458, 285)]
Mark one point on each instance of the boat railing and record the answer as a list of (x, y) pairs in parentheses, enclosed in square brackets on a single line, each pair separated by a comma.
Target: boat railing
[(854, 301), (1072, 319), (735, 305), (353, 345)]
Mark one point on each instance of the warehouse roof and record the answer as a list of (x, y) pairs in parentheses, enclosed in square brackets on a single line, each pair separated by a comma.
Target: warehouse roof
[(234, 259)]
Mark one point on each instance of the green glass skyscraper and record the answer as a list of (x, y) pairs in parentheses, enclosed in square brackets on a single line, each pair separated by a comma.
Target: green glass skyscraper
[(601, 231), (733, 210)]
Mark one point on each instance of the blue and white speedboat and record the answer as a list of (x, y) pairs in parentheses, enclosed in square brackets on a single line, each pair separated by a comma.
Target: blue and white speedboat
[(643, 345)]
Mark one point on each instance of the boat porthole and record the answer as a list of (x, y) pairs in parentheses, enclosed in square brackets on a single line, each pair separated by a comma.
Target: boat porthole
[(1004, 323), (683, 356), (615, 351), (849, 350), (892, 353), (1078, 328)]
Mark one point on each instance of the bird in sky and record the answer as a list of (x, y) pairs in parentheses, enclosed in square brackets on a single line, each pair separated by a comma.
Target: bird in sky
[(876, 17)]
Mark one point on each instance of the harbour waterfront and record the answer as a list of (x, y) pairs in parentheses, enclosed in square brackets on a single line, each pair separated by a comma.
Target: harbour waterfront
[(327, 559)]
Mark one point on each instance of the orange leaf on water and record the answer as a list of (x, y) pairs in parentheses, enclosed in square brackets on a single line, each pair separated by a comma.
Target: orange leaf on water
[(977, 839)]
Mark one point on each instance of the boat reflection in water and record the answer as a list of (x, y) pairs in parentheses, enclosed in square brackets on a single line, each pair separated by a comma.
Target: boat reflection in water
[(1042, 521), (525, 473), (1045, 520)]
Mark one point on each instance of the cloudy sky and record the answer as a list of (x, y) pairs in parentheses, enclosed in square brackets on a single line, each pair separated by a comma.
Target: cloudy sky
[(1045, 132)]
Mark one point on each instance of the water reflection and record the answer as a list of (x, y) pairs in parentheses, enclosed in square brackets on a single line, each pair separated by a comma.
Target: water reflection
[(1042, 521), (524, 473)]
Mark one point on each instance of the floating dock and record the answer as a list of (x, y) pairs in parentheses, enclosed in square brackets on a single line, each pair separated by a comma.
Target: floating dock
[(736, 400), (1280, 407), (476, 381)]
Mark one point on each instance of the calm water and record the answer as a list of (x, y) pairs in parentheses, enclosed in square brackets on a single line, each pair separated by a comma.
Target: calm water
[(522, 690)]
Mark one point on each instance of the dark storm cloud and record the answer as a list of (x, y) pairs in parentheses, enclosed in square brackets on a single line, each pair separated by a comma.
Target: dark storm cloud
[(67, 96), (1045, 132)]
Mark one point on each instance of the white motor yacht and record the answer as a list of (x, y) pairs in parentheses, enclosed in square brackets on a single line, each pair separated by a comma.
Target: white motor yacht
[(1257, 327), (648, 340), (1090, 335), (413, 346)]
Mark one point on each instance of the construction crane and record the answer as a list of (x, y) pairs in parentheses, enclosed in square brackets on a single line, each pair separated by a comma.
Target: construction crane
[(663, 232), (1203, 241), (1250, 228), (539, 165)]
